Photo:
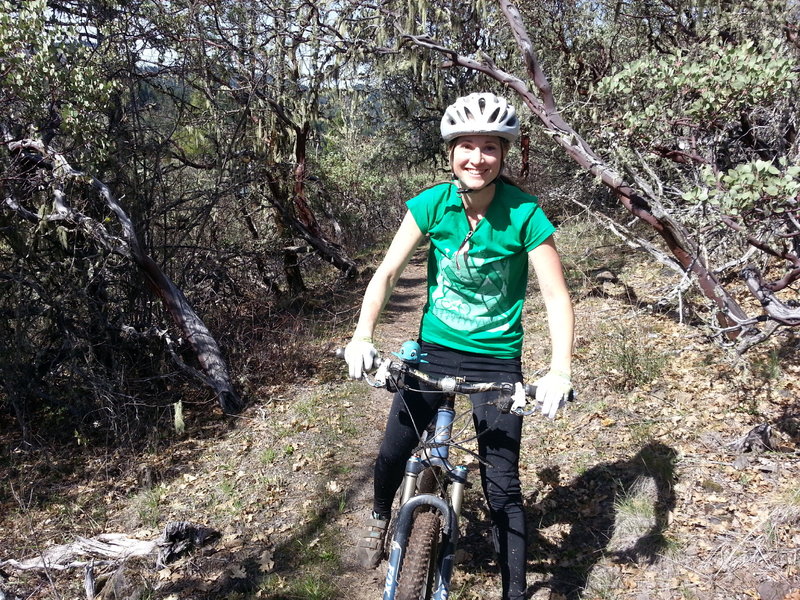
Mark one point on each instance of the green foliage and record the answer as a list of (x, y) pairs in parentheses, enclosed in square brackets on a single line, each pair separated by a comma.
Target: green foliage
[(301, 587), (758, 184), (627, 361), (658, 96), (49, 76), (149, 505), (268, 456), (365, 162), (702, 125), (768, 367)]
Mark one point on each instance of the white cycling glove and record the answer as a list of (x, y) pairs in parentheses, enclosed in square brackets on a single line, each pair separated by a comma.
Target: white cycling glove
[(552, 392), (518, 398), (360, 356)]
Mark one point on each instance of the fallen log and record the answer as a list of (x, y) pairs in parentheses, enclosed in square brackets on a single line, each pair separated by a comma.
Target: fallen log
[(113, 548), (758, 439)]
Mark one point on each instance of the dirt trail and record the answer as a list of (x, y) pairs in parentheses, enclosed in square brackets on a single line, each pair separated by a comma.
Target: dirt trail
[(399, 323), (633, 494)]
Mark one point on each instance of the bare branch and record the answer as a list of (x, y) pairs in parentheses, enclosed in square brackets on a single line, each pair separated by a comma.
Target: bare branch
[(790, 277), (677, 239), (632, 240), (191, 325), (782, 312)]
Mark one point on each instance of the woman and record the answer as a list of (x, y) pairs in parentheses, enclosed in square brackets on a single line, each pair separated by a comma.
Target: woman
[(483, 233)]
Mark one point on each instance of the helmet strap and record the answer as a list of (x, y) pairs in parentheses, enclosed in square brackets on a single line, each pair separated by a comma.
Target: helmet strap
[(459, 189)]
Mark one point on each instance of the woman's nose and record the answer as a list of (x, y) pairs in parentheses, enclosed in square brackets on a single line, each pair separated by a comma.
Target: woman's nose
[(476, 155)]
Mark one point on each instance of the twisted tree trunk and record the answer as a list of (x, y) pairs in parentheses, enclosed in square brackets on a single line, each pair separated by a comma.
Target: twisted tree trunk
[(209, 356)]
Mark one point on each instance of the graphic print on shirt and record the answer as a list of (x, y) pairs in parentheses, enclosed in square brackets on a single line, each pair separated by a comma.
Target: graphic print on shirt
[(471, 292)]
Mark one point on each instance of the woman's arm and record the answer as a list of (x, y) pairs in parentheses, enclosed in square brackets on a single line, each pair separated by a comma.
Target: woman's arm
[(560, 316), (380, 287)]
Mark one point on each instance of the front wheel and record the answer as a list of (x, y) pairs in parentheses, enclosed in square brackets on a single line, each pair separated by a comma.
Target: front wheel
[(416, 572)]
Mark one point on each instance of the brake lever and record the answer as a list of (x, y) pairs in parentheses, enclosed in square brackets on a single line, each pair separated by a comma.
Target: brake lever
[(381, 376), (530, 392), (526, 413)]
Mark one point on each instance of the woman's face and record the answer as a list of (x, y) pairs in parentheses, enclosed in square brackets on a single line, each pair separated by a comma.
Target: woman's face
[(477, 160)]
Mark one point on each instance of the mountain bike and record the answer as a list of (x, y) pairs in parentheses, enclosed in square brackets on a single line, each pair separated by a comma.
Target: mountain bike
[(423, 545)]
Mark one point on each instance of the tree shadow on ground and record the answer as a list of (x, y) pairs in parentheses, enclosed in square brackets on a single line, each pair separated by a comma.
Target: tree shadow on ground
[(589, 509), (586, 518)]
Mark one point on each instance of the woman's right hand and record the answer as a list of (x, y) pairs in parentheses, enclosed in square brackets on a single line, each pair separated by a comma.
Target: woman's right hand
[(360, 356)]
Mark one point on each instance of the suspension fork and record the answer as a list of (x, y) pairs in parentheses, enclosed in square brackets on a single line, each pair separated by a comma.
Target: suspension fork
[(438, 456)]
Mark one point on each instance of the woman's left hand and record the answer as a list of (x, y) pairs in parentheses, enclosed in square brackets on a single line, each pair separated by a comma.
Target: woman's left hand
[(552, 392)]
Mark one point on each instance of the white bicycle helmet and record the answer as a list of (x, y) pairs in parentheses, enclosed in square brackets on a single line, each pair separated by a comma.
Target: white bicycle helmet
[(484, 114)]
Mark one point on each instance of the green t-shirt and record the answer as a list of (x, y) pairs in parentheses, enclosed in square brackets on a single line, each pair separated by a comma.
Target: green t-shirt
[(477, 281)]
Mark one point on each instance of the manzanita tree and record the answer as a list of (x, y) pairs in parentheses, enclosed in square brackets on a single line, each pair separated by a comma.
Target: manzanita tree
[(708, 129), (68, 245), (695, 136)]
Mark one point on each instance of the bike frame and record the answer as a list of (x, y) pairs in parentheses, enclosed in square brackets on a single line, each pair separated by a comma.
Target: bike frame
[(438, 456)]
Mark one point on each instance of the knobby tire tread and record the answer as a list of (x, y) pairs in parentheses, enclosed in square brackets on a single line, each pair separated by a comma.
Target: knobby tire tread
[(416, 572), (429, 481)]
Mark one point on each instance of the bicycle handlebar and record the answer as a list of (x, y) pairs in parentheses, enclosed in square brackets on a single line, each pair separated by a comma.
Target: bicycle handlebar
[(447, 384)]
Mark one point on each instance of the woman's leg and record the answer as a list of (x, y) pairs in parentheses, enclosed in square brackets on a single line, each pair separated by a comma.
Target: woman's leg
[(499, 438), (408, 417), (410, 414)]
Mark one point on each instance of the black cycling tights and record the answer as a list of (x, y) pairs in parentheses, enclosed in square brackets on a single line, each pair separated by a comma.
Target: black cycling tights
[(498, 444)]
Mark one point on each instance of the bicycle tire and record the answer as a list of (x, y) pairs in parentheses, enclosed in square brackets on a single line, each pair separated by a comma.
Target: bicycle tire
[(416, 572), (431, 481)]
